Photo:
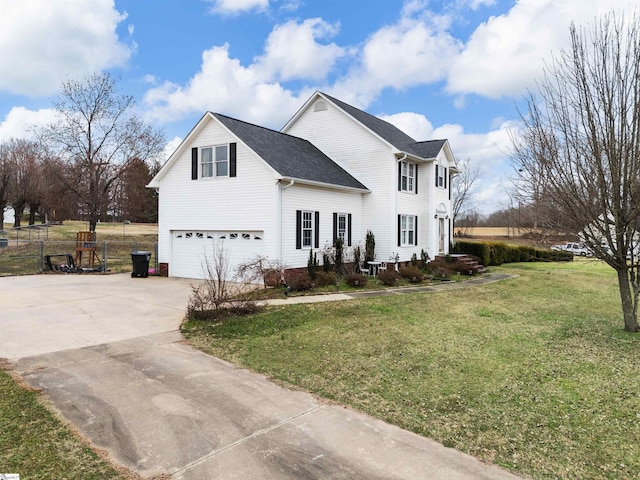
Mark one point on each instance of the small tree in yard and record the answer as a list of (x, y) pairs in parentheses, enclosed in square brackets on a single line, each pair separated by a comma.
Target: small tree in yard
[(218, 295), (580, 145)]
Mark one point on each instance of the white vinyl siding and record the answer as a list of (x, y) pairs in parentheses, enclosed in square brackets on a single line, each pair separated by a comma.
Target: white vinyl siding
[(185, 205), (324, 201)]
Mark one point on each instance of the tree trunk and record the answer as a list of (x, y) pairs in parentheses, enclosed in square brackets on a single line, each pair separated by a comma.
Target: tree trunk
[(19, 211), (630, 318)]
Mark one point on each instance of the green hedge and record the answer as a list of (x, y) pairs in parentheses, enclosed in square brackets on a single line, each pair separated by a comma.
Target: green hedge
[(497, 253)]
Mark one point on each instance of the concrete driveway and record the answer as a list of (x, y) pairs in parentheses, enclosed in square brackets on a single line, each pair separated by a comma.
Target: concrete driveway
[(106, 351)]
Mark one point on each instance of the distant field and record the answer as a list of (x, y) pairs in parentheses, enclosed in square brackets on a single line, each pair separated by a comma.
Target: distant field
[(493, 231), (69, 228)]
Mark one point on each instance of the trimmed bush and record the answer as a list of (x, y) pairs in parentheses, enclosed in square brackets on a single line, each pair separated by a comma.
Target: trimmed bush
[(413, 274), (388, 278), (497, 253), (325, 278), (298, 281), (355, 280)]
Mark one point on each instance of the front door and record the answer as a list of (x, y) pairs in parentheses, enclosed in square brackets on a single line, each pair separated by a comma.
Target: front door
[(441, 235)]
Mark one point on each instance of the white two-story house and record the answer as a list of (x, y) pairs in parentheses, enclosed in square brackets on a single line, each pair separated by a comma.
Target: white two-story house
[(333, 171)]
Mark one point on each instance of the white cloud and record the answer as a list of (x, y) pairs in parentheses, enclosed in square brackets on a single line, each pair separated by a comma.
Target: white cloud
[(224, 85), (506, 54), (230, 7), (415, 50), (169, 148), (44, 42), (291, 51), (20, 122), (251, 92)]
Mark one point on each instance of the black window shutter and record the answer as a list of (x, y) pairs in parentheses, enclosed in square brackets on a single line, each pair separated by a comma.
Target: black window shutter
[(298, 229), (335, 228), (348, 230), (399, 176), (194, 163), (399, 230), (317, 230), (415, 230), (415, 182), (232, 159), (450, 189), (436, 174), (445, 177)]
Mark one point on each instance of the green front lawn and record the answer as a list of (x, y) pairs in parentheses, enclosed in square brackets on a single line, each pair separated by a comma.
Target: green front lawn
[(37, 445), (533, 373)]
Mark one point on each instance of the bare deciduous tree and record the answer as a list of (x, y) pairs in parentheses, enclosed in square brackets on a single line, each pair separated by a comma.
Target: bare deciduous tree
[(98, 135), (580, 146), (6, 167), (463, 182), (25, 185)]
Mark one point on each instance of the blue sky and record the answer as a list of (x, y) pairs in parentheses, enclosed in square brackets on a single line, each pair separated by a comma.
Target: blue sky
[(437, 69)]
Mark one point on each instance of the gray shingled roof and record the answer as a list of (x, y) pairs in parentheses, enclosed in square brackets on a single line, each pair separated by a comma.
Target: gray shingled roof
[(290, 156), (391, 133)]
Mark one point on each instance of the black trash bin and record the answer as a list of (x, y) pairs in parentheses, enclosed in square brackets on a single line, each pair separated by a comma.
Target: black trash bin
[(140, 262)]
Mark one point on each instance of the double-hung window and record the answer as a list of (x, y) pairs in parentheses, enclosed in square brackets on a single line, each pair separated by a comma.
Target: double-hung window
[(408, 227), (407, 176), (342, 227), (307, 229), (214, 161), (441, 180)]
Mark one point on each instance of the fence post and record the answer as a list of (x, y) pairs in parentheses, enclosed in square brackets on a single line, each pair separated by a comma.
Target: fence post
[(104, 256), (41, 257)]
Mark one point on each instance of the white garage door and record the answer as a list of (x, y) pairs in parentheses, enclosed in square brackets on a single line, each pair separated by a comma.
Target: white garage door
[(190, 248)]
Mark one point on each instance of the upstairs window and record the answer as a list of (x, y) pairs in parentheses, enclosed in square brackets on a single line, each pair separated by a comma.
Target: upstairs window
[(214, 161), (441, 176), (408, 177)]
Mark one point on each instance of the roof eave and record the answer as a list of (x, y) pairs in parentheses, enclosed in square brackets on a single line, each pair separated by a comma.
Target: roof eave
[(334, 186)]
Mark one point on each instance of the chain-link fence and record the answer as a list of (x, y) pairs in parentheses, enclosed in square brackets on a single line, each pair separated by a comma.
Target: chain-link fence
[(21, 257)]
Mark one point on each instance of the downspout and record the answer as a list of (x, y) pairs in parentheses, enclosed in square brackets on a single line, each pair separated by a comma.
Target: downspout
[(282, 189), (394, 241)]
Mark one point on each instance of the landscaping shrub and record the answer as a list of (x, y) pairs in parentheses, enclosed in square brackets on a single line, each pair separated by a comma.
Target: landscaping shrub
[(355, 280), (388, 278), (312, 264), (298, 281), (413, 274), (497, 253), (325, 278), (439, 268)]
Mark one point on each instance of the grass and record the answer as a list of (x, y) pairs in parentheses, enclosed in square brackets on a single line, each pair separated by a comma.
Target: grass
[(534, 374), (23, 253), (37, 445)]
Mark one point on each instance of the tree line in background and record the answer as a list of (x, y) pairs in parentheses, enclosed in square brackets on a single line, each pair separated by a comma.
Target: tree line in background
[(92, 164)]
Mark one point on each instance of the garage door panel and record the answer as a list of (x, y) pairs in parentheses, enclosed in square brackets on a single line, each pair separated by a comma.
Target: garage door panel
[(191, 247)]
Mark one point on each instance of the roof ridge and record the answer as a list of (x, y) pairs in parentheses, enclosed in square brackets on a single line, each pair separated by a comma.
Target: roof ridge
[(376, 118), (258, 126)]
